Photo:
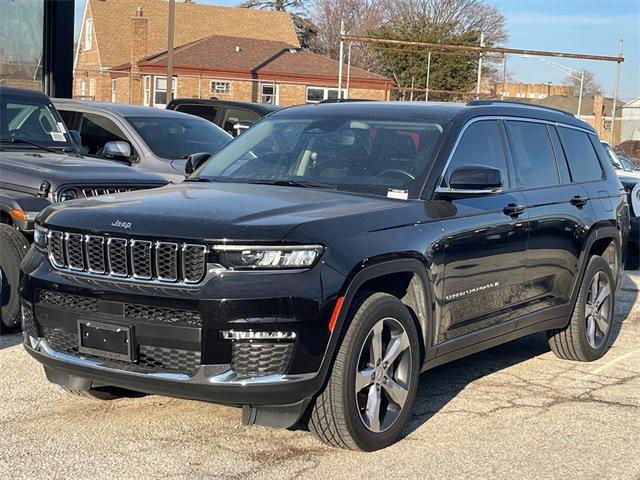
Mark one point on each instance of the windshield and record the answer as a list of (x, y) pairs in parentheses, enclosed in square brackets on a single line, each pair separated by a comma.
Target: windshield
[(372, 155), (615, 161), (173, 138), (29, 119)]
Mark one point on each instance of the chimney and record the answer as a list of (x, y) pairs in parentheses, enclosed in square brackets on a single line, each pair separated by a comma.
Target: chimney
[(598, 109), (139, 33)]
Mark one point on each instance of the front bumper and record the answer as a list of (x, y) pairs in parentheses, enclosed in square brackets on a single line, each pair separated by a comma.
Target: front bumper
[(294, 302)]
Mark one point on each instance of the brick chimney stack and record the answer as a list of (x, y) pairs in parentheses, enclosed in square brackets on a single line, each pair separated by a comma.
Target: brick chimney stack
[(139, 34)]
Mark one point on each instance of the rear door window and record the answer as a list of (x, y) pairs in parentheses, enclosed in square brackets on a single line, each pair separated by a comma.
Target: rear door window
[(581, 156), (534, 161), (203, 111), (480, 144)]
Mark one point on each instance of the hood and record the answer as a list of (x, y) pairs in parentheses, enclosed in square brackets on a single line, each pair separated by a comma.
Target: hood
[(30, 168), (227, 211), (628, 178)]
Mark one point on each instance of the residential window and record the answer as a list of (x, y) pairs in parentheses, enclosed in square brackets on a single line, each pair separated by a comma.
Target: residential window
[(147, 90), (113, 90), (88, 33), (83, 88), (160, 91), (218, 86), (318, 94), (270, 93)]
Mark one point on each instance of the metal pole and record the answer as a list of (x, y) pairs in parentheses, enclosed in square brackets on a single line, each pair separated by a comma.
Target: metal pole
[(172, 15), (504, 76), (413, 79), (479, 68), (426, 97), (341, 55), (348, 68), (580, 96), (615, 92)]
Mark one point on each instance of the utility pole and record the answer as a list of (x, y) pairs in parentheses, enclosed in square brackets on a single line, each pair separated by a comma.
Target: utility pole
[(479, 68), (426, 96), (348, 68), (504, 76), (616, 91), (170, 30), (341, 59), (580, 96)]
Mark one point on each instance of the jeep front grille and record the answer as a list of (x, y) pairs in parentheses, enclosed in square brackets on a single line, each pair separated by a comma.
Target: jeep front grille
[(139, 259)]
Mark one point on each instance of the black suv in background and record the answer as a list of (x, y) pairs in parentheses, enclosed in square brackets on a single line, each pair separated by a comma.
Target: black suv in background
[(40, 165), (232, 116), (322, 260)]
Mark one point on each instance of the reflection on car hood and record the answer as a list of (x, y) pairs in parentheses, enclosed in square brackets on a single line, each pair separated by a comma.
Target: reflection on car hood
[(219, 211), (30, 168)]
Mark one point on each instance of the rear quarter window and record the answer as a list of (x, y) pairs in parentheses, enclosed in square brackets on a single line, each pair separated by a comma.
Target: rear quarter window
[(581, 156)]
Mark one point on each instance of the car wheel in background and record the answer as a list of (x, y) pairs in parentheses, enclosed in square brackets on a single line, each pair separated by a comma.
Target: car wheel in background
[(13, 248)]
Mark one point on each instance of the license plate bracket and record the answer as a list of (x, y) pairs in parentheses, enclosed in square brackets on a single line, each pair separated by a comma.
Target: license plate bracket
[(105, 340)]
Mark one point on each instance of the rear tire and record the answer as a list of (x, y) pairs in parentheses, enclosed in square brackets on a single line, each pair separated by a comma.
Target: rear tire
[(371, 389), (589, 333), (13, 248)]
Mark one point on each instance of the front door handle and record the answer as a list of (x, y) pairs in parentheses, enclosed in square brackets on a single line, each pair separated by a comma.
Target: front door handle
[(579, 201), (512, 210)]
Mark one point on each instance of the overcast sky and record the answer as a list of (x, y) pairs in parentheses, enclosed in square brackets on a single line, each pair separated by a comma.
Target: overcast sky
[(584, 26)]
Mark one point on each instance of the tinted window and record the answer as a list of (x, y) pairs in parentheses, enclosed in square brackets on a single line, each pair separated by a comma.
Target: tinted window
[(534, 161), (582, 158), (480, 144), (68, 117), (351, 153), (203, 111), (96, 131), (178, 137), (236, 120)]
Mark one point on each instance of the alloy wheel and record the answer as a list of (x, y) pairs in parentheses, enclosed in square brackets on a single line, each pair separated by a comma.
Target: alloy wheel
[(383, 375), (598, 310)]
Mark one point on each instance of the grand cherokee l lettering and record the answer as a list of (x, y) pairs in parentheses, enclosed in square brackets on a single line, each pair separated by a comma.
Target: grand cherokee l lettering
[(313, 267)]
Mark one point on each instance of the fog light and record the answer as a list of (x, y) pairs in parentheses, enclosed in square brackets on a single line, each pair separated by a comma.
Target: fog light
[(249, 335)]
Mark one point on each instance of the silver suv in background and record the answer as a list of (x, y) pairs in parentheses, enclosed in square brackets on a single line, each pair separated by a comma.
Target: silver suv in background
[(150, 139)]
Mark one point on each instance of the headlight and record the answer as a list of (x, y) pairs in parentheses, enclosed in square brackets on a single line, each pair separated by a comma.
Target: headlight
[(269, 257), (40, 237), (67, 194)]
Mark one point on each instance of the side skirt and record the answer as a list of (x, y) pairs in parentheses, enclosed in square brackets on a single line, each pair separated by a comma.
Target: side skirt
[(547, 319)]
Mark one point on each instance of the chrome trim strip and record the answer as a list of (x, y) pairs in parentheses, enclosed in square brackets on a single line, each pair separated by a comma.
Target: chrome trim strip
[(234, 248), (488, 191)]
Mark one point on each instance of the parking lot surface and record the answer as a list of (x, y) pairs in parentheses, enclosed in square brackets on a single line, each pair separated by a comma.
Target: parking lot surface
[(515, 411)]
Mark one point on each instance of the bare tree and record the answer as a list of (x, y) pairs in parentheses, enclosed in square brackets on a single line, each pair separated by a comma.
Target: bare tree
[(278, 5), (590, 83)]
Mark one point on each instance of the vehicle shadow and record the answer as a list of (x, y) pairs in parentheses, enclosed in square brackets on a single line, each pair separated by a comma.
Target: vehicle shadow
[(10, 340), (439, 386)]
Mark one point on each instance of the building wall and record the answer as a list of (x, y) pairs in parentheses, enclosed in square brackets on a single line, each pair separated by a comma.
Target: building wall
[(630, 124), (528, 90)]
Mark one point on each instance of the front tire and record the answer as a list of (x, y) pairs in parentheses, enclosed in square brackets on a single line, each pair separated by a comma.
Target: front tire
[(373, 383), (13, 248), (589, 333)]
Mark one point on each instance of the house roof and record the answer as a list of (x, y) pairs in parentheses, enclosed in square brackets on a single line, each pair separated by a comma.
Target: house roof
[(632, 104), (111, 24), (569, 103), (260, 57)]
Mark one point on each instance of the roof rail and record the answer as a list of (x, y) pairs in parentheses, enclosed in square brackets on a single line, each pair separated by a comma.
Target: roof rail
[(344, 100), (517, 104)]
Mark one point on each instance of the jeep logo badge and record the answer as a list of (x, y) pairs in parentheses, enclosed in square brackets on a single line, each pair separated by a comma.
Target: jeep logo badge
[(121, 224)]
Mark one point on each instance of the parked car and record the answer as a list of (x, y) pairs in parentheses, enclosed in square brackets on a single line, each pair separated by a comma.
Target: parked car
[(630, 180), (40, 166), (145, 138), (328, 255), (232, 116)]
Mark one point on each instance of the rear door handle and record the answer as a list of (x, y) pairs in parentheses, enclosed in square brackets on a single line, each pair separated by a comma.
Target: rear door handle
[(512, 210), (579, 201)]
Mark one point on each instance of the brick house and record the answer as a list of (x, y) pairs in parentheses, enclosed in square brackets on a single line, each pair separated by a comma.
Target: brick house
[(233, 53)]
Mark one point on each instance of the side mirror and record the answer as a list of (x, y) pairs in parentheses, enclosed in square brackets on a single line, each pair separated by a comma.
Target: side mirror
[(194, 161), (118, 150), (75, 136), (473, 179)]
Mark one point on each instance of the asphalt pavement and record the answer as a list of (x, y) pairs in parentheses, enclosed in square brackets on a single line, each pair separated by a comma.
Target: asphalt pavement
[(512, 412)]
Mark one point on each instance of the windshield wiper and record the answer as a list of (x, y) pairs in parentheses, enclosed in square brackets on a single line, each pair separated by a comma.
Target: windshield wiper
[(34, 144), (200, 179), (294, 183)]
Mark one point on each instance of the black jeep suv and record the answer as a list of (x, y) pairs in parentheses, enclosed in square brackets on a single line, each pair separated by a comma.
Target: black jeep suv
[(323, 259), (40, 165)]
